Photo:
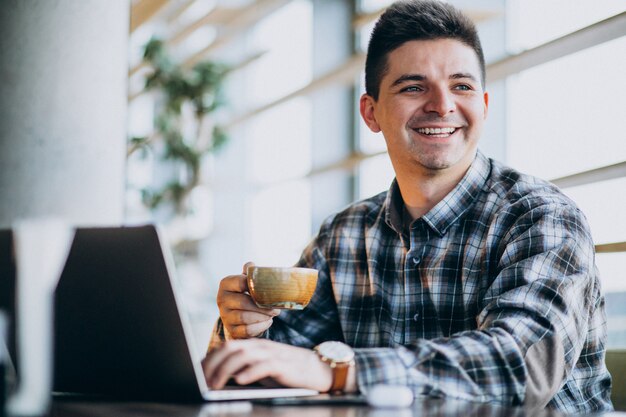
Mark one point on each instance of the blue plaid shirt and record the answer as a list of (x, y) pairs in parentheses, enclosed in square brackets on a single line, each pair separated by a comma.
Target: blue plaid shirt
[(491, 296)]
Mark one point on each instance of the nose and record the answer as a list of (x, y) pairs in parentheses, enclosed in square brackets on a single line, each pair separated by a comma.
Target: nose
[(440, 101)]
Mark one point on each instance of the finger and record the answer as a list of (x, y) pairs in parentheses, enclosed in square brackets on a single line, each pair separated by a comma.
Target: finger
[(255, 372), (234, 283), (241, 301), (245, 331), (215, 357), (246, 266), (230, 361), (238, 317), (236, 301), (245, 324)]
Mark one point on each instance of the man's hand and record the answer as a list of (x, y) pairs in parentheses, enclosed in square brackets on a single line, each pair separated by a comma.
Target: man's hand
[(240, 315), (269, 362)]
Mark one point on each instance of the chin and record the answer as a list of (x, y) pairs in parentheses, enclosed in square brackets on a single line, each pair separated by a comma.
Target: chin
[(442, 161), (435, 164)]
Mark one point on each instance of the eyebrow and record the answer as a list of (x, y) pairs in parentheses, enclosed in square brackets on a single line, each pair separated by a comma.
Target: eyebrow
[(420, 77), (460, 75), (408, 77)]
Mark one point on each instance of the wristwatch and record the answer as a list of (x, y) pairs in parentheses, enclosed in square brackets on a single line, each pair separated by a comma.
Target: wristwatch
[(340, 357)]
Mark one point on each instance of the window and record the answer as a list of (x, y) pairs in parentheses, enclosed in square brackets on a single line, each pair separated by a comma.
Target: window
[(277, 160), (534, 22), (285, 39), (569, 109)]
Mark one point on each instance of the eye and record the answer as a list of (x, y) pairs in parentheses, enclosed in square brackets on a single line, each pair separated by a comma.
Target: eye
[(463, 87), (411, 89)]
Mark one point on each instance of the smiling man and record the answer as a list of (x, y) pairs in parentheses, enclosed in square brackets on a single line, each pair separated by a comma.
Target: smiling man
[(465, 279), (430, 105)]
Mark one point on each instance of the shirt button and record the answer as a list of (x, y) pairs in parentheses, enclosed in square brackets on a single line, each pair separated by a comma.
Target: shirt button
[(416, 317), (416, 261)]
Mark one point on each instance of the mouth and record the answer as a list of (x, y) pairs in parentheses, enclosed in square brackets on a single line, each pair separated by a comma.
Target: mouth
[(436, 132)]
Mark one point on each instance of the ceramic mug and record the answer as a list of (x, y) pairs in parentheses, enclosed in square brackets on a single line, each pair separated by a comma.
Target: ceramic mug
[(281, 287)]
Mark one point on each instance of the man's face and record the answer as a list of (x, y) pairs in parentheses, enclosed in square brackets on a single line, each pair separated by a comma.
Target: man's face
[(431, 107)]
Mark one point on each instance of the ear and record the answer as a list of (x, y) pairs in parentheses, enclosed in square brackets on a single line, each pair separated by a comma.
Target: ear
[(486, 99), (366, 106)]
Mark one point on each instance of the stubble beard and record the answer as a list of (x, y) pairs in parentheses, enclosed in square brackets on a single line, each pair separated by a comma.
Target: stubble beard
[(434, 160)]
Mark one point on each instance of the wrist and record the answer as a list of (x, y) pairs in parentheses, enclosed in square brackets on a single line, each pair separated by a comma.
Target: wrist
[(339, 359)]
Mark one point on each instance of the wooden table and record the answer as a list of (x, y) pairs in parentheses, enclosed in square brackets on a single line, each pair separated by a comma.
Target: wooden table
[(420, 408)]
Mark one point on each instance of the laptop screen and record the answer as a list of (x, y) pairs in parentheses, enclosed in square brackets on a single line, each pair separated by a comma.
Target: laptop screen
[(7, 288), (118, 328)]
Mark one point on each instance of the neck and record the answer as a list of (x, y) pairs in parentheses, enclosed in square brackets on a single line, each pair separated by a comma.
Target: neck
[(421, 191)]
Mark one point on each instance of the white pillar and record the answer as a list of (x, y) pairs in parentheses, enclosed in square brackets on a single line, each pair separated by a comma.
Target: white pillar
[(63, 69)]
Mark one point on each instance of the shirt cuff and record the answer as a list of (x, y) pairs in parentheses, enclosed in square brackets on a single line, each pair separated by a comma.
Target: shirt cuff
[(218, 336), (384, 366)]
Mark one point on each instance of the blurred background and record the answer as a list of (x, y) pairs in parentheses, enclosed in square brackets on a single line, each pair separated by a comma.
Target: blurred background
[(248, 168)]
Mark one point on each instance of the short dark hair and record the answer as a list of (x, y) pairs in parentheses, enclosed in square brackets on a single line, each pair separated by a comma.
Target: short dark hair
[(409, 20)]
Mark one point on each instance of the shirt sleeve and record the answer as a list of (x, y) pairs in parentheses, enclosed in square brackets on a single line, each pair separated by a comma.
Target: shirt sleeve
[(218, 336), (531, 329)]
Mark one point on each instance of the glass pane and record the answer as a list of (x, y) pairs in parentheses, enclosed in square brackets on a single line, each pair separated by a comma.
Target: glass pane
[(286, 64), (375, 175), (604, 204), (280, 223), (280, 143), (364, 33), (611, 266), (534, 22), (568, 109), (369, 6)]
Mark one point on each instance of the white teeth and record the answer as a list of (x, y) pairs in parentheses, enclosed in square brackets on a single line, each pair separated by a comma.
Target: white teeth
[(436, 130)]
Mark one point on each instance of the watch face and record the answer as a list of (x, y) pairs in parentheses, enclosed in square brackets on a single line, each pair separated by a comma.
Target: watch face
[(336, 351)]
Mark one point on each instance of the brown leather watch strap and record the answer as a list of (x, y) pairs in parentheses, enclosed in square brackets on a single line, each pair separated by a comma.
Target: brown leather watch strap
[(340, 376)]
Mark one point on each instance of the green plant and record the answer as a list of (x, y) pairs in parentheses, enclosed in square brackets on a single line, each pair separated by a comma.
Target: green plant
[(198, 89)]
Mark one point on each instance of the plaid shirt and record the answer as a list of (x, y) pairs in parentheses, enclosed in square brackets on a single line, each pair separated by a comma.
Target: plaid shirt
[(502, 267)]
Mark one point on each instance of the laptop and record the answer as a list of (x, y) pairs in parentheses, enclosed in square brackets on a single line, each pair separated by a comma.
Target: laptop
[(119, 327)]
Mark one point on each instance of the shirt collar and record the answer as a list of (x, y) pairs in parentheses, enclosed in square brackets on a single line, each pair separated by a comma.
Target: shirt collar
[(453, 206), (393, 208)]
